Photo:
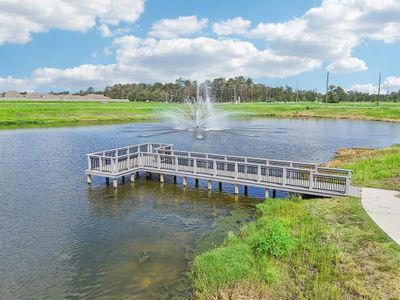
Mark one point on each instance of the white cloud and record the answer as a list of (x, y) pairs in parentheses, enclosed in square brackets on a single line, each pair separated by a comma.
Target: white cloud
[(20, 18), (152, 60), (347, 65), (173, 28), (364, 88), (327, 33), (13, 84), (392, 83), (104, 30), (201, 58), (236, 25), (332, 30)]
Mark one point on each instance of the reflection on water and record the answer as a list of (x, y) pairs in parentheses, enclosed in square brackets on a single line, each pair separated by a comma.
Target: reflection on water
[(60, 238), (144, 233)]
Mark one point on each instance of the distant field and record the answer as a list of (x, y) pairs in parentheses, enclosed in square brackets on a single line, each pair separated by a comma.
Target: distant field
[(14, 114), (361, 111)]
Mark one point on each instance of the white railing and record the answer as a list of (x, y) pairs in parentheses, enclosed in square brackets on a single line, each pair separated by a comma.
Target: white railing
[(247, 170)]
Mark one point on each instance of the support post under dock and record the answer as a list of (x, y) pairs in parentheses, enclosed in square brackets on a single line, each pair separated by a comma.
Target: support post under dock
[(274, 175), (161, 178), (266, 191)]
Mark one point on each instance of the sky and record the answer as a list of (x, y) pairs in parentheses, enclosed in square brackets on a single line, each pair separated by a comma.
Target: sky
[(57, 45)]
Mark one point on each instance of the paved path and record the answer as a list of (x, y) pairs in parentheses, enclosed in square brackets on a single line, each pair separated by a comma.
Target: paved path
[(384, 208)]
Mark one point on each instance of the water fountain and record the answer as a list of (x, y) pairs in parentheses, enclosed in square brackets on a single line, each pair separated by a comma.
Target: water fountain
[(199, 116)]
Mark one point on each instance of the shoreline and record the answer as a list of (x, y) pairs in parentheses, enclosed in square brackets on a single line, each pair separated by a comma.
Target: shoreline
[(149, 119), (321, 235), (15, 115)]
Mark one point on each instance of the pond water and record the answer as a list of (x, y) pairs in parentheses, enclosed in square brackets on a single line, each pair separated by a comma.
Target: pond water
[(60, 238)]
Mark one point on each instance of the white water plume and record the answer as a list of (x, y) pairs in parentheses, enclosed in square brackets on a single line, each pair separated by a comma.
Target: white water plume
[(199, 116)]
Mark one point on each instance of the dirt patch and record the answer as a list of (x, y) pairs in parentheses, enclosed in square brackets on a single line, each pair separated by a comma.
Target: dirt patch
[(394, 180), (349, 155)]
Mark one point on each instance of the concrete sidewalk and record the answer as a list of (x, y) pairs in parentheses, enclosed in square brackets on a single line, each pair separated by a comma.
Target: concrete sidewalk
[(384, 208)]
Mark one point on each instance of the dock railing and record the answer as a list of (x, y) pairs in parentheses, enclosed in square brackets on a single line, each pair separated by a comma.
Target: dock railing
[(278, 174)]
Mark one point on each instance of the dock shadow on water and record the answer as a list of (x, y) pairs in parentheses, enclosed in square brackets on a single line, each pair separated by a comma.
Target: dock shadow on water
[(143, 237)]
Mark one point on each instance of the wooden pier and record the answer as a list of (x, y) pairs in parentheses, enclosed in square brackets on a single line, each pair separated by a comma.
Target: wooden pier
[(295, 177)]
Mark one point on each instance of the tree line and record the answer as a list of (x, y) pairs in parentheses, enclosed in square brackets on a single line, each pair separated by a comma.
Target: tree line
[(237, 89)]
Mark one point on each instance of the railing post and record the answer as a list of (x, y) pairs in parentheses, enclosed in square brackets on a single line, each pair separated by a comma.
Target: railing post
[(236, 170), (194, 166), (259, 173), (348, 182), (284, 176), (89, 162), (113, 165), (158, 161), (215, 167), (128, 160), (176, 164), (100, 164), (311, 185)]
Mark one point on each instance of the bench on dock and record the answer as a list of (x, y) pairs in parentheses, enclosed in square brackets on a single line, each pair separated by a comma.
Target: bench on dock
[(295, 177)]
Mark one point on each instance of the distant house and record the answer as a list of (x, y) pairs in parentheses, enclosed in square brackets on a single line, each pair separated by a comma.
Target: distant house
[(13, 95)]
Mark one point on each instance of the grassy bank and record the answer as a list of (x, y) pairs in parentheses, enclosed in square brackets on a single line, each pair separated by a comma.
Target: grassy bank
[(14, 114), (318, 248), (378, 168), (360, 111)]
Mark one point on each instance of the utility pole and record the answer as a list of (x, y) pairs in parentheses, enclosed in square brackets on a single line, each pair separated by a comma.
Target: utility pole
[(327, 87), (379, 89)]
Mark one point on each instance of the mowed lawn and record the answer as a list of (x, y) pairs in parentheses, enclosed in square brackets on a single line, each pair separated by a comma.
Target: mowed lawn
[(361, 111), (26, 114), (38, 114)]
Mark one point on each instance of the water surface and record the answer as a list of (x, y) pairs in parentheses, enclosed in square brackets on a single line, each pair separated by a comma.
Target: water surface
[(60, 238)]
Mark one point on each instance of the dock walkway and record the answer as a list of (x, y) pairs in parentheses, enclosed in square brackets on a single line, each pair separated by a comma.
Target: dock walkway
[(289, 176)]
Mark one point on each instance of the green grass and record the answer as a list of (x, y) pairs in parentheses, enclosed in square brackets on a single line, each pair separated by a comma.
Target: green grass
[(363, 111), (321, 249), (378, 168), (311, 249), (14, 114), (40, 114)]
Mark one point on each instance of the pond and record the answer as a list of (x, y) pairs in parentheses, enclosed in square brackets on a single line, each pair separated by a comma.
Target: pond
[(60, 238)]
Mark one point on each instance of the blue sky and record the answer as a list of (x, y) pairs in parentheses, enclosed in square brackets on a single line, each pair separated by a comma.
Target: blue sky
[(63, 45)]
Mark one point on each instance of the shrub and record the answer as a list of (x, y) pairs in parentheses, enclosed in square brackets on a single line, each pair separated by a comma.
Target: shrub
[(273, 239)]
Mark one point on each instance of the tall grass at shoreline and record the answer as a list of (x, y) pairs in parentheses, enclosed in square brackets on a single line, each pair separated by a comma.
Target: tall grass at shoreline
[(327, 248), (379, 168)]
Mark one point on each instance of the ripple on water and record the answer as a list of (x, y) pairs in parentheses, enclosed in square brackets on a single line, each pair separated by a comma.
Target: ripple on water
[(62, 239)]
